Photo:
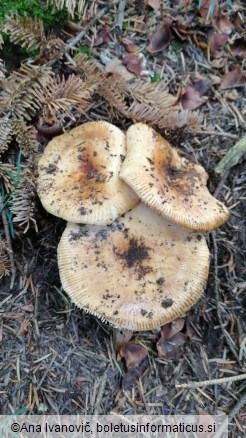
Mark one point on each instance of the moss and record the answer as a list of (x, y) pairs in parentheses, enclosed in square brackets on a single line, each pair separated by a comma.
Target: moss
[(84, 49), (35, 8)]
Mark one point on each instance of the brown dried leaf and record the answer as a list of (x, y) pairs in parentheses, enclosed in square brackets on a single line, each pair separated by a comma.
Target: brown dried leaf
[(129, 379), (161, 38), (121, 337), (116, 66), (223, 23), (171, 348), (102, 37), (202, 85), (133, 354), (172, 328), (23, 327), (238, 48), (50, 131), (234, 78), (28, 307), (154, 4), (217, 42), (129, 45), (191, 99), (181, 27), (134, 63)]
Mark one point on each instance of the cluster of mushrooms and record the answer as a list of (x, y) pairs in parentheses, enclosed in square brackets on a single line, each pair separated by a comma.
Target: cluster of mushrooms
[(132, 252)]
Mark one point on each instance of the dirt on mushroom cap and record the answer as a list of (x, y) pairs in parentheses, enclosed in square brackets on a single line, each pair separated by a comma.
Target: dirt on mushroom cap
[(168, 183), (78, 175), (138, 273)]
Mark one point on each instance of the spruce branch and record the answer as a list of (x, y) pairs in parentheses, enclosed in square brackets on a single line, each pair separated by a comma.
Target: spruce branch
[(27, 32), (5, 133), (23, 203), (4, 259), (25, 137), (65, 97), (8, 176), (2, 67), (80, 7), (19, 96)]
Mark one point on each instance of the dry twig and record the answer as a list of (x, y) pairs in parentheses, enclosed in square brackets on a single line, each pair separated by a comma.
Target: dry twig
[(228, 339), (211, 382)]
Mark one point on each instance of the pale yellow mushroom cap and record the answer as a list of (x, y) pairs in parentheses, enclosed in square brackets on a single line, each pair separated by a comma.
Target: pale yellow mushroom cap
[(79, 175), (168, 183), (138, 273)]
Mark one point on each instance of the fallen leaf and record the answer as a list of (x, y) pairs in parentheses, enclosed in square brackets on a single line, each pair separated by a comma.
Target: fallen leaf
[(161, 38), (223, 23), (116, 66), (191, 99), (134, 63), (238, 48), (129, 45), (102, 37), (129, 379), (202, 85), (121, 337), (216, 43), (133, 354), (181, 27), (23, 327), (234, 78), (28, 307), (50, 131), (171, 348), (207, 9), (154, 4), (170, 329)]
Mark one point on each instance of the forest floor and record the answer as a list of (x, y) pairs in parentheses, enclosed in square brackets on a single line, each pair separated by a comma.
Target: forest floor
[(57, 359)]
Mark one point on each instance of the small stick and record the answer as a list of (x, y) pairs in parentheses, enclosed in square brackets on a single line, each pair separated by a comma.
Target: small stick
[(8, 239), (228, 339), (211, 382), (218, 133), (74, 41), (121, 11), (101, 392), (46, 372)]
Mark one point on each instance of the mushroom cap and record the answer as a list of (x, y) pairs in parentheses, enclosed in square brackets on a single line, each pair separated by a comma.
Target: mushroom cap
[(79, 175), (170, 184), (138, 273)]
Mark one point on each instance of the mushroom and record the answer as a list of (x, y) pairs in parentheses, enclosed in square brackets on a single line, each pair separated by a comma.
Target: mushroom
[(79, 175), (138, 273), (168, 183)]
